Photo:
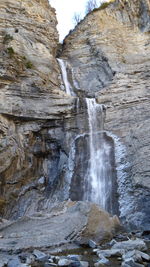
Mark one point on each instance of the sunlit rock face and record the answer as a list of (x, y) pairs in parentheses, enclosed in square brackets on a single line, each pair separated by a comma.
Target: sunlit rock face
[(32, 106), (109, 52), (29, 70)]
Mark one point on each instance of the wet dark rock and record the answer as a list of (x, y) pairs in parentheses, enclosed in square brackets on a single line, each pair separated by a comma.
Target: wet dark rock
[(26, 257), (122, 237), (50, 265), (144, 256), (75, 264), (55, 259)]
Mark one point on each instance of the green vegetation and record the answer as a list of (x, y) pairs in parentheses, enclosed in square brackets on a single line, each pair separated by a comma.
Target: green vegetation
[(29, 65), (104, 5), (24, 58), (10, 51), (7, 38), (91, 6)]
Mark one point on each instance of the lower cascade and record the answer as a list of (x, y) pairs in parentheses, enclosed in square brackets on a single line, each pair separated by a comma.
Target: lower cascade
[(99, 177), (100, 172)]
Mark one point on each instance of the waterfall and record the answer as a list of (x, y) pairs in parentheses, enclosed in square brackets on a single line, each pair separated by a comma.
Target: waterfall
[(63, 66), (95, 180), (99, 173)]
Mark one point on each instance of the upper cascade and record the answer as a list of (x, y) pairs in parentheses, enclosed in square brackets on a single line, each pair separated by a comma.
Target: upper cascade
[(63, 66)]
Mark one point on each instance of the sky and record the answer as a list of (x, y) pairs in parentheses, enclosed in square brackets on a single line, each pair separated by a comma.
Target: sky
[(65, 10)]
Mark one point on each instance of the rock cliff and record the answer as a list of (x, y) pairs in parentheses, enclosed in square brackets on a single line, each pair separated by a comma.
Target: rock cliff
[(32, 106), (109, 52)]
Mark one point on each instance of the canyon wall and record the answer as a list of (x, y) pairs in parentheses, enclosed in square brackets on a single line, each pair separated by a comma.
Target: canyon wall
[(109, 52), (32, 106)]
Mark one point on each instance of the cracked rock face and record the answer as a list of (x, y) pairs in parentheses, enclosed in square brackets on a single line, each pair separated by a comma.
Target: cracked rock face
[(33, 109), (29, 72), (109, 52)]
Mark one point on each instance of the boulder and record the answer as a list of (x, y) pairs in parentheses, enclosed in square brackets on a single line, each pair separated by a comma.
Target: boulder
[(102, 262), (92, 244), (15, 262), (136, 255), (131, 263), (100, 226), (40, 256), (64, 262), (131, 244), (74, 257), (109, 253), (84, 264)]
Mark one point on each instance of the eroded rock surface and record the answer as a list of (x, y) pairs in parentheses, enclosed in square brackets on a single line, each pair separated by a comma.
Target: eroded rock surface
[(33, 109), (109, 52), (65, 223)]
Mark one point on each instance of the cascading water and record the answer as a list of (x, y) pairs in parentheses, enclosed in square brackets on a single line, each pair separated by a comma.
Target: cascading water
[(99, 174), (96, 182), (63, 67)]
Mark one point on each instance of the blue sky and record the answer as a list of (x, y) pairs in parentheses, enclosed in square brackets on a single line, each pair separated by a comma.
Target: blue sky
[(65, 10)]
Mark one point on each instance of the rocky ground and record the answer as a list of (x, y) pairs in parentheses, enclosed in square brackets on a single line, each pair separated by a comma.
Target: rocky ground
[(73, 234), (125, 250), (67, 225)]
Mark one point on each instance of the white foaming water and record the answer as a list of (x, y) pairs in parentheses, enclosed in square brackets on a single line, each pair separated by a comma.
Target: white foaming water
[(63, 66), (99, 176)]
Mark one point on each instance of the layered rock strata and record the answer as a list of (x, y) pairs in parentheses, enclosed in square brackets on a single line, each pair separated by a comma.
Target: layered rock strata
[(109, 52), (33, 149)]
